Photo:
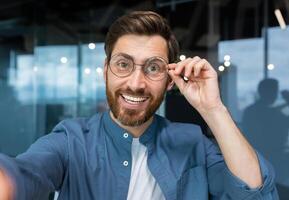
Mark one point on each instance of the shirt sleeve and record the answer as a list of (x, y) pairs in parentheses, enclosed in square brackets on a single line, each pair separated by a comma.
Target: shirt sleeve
[(41, 169), (224, 185)]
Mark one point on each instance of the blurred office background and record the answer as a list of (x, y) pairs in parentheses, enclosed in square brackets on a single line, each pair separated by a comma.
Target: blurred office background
[(51, 66)]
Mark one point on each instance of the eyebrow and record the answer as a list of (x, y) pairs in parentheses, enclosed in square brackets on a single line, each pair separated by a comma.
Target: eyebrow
[(143, 60), (125, 55)]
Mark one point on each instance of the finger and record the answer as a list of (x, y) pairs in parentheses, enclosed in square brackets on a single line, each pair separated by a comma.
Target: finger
[(190, 67), (201, 65), (198, 67), (181, 65), (178, 80), (172, 66)]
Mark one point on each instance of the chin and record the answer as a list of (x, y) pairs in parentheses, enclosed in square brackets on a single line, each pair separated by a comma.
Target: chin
[(132, 118)]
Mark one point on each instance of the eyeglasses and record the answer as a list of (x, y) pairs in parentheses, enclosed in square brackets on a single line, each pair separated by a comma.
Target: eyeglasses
[(123, 65)]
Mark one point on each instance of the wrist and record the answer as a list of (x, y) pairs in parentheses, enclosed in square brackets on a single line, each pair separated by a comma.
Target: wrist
[(217, 117), (214, 111)]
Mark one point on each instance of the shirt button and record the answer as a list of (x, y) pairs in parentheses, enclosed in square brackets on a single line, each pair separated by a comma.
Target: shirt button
[(125, 135), (125, 163)]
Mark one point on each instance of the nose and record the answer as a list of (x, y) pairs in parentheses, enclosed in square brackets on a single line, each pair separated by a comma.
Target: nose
[(137, 79)]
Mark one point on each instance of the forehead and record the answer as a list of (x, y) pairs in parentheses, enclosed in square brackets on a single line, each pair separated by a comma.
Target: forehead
[(141, 47)]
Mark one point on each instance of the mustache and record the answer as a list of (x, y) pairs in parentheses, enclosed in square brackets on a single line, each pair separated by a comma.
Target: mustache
[(138, 92)]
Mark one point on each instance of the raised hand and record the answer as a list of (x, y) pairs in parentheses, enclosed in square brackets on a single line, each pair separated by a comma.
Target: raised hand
[(198, 82)]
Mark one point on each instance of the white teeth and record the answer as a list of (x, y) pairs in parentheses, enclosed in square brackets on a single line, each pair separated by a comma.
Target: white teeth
[(134, 99)]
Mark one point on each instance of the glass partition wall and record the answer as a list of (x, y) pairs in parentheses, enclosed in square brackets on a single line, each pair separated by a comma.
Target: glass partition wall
[(52, 58)]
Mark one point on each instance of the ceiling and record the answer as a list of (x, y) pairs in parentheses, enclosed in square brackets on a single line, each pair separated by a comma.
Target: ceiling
[(198, 24)]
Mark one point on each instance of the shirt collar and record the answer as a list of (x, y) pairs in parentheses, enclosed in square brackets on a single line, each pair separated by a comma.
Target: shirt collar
[(121, 135)]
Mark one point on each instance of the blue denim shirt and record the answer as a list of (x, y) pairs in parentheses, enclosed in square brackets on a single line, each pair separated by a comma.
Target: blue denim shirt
[(89, 159)]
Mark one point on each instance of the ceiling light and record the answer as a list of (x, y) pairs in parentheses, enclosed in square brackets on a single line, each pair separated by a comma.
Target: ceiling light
[(63, 60), (227, 63), (227, 57), (87, 70), (182, 57), (91, 46), (221, 68), (270, 67)]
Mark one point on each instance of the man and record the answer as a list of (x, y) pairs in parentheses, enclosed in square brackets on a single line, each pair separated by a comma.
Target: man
[(260, 121), (131, 153)]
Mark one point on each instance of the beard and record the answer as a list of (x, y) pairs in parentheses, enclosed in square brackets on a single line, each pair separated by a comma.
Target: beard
[(132, 117)]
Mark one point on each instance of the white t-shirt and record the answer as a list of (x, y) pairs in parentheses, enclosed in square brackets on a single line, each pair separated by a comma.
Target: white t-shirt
[(142, 184)]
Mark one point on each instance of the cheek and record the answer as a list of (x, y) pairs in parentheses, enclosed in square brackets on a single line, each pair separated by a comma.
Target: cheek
[(111, 80), (158, 89), (113, 84)]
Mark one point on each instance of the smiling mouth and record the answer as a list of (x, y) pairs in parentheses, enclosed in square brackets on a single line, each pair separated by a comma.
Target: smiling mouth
[(133, 99)]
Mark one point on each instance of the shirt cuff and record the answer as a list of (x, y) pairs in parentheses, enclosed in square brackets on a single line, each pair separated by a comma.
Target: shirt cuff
[(238, 188)]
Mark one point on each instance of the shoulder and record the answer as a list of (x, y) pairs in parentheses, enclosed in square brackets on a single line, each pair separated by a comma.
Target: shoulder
[(78, 125)]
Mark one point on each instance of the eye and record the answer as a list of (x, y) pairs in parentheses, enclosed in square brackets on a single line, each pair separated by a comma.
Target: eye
[(153, 68), (123, 64)]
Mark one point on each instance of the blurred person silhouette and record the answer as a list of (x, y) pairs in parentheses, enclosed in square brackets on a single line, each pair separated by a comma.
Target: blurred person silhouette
[(266, 128)]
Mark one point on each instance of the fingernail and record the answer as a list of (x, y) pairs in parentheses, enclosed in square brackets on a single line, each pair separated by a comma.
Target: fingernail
[(185, 78)]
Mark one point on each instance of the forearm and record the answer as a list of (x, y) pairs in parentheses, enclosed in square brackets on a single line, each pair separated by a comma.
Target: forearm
[(239, 155), (38, 171)]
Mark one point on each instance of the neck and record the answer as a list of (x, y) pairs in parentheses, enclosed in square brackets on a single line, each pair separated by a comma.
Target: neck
[(136, 131)]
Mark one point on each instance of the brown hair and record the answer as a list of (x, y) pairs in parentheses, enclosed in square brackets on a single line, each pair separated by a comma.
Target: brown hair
[(142, 23)]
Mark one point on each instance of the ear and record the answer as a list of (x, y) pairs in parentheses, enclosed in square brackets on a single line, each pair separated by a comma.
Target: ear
[(105, 69), (170, 84)]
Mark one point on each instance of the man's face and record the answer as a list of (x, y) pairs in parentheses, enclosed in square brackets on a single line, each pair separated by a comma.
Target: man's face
[(134, 99)]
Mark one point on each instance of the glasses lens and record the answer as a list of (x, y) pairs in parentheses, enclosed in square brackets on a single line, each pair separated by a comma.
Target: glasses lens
[(155, 69), (121, 66)]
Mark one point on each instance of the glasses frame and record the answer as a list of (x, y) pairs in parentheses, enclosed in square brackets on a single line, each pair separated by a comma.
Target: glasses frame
[(134, 65)]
